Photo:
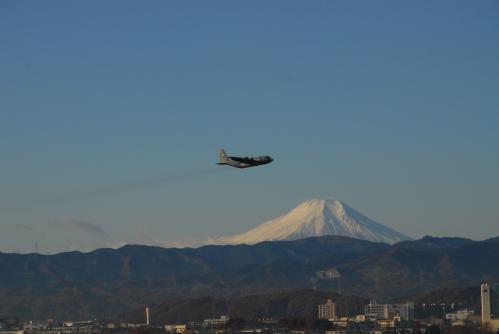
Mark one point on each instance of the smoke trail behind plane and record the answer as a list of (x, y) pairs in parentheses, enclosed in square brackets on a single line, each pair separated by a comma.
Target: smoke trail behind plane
[(157, 181)]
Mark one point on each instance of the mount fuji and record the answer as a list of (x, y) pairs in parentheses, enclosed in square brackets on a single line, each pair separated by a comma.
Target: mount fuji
[(318, 217)]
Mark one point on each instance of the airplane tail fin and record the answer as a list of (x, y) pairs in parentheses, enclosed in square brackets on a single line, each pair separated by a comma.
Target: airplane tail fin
[(223, 159)]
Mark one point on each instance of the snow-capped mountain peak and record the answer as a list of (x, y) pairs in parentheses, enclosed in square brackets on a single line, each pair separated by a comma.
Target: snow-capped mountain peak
[(318, 217)]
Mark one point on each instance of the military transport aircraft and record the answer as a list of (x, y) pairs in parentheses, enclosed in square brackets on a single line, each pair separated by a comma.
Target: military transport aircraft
[(245, 162)]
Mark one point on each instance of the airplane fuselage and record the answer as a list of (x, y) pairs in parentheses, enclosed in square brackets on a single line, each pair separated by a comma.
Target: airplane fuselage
[(243, 162)]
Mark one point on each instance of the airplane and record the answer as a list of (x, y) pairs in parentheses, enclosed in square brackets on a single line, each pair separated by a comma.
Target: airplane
[(245, 162)]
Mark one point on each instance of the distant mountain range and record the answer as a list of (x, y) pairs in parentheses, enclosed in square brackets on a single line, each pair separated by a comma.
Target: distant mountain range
[(315, 218), (108, 282)]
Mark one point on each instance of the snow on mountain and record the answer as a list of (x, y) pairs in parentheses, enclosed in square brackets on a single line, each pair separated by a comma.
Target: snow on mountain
[(317, 217)]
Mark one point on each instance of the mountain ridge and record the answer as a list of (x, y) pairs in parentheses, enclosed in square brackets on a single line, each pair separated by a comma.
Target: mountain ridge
[(109, 282)]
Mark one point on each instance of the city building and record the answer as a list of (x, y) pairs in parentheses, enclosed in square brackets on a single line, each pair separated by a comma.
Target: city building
[(328, 310), (148, 317), (459, 315), (490, 305), (216, 321), (485, 300), (178, 329), (66, 327), (375, 310), (404, 311), (9, 323), (389, 311)]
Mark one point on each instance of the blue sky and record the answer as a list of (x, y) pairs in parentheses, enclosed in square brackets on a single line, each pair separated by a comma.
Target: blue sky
[(112, 114)]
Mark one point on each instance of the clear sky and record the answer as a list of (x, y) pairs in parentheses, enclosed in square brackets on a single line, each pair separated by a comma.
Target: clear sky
[(112, 114)]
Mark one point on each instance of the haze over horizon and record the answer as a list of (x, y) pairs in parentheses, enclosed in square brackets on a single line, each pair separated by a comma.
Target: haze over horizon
[(112, 115)]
